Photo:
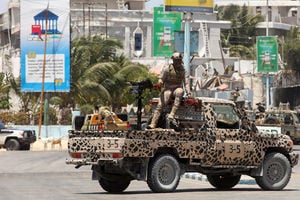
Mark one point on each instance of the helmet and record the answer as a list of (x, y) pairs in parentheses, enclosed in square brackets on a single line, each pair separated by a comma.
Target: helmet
[(176, 55)]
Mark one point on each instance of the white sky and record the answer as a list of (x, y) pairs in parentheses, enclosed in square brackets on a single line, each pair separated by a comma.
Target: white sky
[(4, 6)]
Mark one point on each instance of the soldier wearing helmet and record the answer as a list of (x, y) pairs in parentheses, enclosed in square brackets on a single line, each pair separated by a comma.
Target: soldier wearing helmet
[(173, 78)]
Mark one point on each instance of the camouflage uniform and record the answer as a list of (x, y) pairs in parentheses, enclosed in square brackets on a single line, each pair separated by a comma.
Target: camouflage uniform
[(173, 78), (106, 115)]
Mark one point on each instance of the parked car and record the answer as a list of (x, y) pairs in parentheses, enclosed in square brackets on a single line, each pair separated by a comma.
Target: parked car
[(16, 139)]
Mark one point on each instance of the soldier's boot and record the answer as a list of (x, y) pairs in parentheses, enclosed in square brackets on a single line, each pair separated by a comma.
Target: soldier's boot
[(154, 121), (173, 111)]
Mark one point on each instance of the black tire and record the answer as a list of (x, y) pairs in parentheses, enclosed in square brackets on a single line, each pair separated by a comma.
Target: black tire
[(163, 174), (276, 172), (12, 145), (26, 147), (271, 120), (114, 186), (223, 182)]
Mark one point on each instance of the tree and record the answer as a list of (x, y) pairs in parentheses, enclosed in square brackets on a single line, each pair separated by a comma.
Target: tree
[(243, 30), (291, 48), (4, 92), (104, 83)]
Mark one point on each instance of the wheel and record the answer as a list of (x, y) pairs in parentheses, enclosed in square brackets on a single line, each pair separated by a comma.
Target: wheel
[(223, 182), (271, 120), (114, 186), (163, 174), (26, 147), (276, 172), (12, 145)]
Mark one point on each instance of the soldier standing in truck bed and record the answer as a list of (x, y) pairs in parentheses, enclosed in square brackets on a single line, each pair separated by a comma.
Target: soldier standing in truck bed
[(173, 78)]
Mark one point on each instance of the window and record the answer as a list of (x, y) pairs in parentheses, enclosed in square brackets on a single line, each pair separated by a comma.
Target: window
[(226, 116)]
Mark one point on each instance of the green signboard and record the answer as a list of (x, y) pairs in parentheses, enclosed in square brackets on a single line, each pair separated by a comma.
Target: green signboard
[(267, 54), (164, 25)]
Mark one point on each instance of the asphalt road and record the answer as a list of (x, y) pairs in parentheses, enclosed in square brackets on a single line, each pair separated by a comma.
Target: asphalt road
[(43, 175)]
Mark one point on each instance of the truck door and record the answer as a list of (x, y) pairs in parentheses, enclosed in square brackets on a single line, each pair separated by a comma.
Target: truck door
[(234, 144)]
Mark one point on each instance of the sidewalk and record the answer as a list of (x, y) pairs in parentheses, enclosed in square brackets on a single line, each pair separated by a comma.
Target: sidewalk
[(46, 144)]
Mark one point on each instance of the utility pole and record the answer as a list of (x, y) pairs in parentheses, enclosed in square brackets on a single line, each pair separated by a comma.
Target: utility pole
[(267, 77), (187, 51)]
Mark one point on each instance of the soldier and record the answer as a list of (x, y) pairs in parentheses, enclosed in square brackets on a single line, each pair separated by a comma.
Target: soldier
[(173, 78)]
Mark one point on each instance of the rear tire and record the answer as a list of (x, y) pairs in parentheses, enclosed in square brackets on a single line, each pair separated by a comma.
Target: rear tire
[(271, 120), (26, 147), (223, 182), (276, 172), (12, 145), (114, 186), (163, 174)]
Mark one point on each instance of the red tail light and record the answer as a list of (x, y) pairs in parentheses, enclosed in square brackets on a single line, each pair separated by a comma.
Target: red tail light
[(100, 127), (76, 155), (128, 125), (117, 155)]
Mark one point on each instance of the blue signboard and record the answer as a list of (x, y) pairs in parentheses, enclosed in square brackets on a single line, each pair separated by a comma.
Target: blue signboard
[(45, 45), (179, 41)]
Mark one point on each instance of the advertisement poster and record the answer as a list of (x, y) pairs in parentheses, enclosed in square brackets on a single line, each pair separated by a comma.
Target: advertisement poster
[(45, 45), (267, 54), (194, 41), (205, 6), (165, 24)]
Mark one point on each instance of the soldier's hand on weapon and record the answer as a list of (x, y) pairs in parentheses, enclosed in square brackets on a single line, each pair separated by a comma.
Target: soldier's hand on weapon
[(157, 86)]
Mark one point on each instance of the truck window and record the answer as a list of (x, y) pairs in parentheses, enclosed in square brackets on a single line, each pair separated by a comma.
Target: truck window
[(226, 117), (296, 118)]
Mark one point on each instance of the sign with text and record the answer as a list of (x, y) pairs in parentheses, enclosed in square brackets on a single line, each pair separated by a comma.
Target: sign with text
[(45, 45), (205, 6), (267, 54), (164, 25), (194, 41)]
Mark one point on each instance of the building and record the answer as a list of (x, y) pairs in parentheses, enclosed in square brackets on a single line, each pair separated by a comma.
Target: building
[(120, 18)]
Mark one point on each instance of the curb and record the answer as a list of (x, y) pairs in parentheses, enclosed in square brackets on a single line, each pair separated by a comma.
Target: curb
[(245, 180)]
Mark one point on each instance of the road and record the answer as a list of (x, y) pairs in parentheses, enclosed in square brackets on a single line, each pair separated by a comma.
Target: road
[(43, 175)]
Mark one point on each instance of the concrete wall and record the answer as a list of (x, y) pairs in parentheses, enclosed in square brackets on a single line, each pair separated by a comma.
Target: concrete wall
[(53, 131)]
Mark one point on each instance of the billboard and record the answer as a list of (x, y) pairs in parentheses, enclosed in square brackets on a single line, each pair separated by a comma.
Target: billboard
[(189, 5), (267, 54), (45, 45), (164, 25), (194, 40)]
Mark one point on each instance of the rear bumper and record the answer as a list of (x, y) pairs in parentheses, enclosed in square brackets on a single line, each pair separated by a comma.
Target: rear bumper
[(79, 162)]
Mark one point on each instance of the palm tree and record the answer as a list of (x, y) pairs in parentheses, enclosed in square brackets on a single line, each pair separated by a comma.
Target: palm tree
[(85, 52), (105, 83), (240, 38), (4, 92)]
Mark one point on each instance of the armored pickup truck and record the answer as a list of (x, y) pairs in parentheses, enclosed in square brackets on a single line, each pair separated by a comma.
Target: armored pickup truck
[(282, 121), (212, 136), (15, 139)]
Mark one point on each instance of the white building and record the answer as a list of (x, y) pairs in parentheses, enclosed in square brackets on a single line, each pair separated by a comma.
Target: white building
[(120, 18)]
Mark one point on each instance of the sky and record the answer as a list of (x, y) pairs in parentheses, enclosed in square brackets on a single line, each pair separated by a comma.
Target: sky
[(4, 6), (149, 5), (152, 3)]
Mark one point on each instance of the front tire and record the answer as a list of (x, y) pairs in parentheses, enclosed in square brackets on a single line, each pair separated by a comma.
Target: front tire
[(114, 186), (12, 145), (223, 182), (276, 172), (163, 174)]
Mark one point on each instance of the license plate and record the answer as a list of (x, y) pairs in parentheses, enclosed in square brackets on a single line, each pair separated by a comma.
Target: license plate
[(234, 149), (112, 144)]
